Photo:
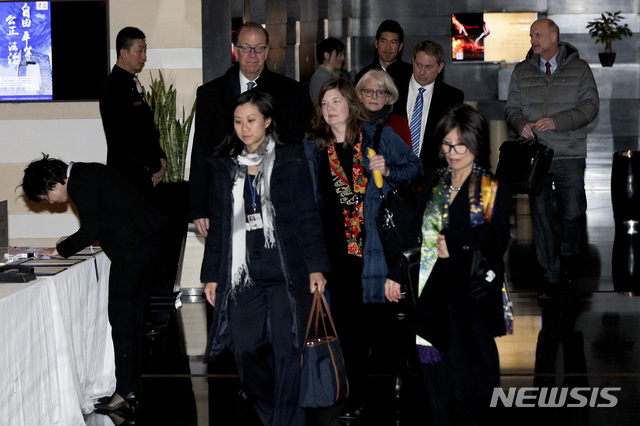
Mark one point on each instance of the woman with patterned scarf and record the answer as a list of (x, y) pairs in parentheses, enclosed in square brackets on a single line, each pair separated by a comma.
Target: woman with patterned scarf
[(264, 256), (349, 201), (466, 212)]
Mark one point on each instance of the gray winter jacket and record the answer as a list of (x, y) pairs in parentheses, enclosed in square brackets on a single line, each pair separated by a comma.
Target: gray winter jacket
[(569, 96)]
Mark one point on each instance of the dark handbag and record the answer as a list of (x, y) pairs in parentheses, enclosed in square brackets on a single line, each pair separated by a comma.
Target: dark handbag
[(489, 291), (483, 277), (393, 220), (323, 380), (411, 265), (397, 210), (523, 165)]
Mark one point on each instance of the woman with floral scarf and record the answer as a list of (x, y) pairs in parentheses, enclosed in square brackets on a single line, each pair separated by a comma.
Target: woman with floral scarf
[(465, 212), (349, 202)]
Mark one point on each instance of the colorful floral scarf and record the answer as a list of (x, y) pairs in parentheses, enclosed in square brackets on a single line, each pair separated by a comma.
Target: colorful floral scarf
[(436, 215), (482, 192), (351, 199)]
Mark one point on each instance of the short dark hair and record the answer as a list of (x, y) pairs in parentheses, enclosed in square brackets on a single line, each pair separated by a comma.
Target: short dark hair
[(42, 175), (473, 128), (232, 145), (124, 39), (430, 48), (320, 131), (251, 26), (390, 26), (328, 45)]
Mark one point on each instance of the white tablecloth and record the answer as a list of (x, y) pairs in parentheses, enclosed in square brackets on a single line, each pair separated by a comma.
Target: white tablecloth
[(56, 352)]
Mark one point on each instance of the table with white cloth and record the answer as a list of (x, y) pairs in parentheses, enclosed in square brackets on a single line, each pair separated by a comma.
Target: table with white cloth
[(56, 352)]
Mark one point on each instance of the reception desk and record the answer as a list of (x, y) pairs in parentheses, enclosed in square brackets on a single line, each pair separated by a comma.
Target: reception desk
[(56, 353)]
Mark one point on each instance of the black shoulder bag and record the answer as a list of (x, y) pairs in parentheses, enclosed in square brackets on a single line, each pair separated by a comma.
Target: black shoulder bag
[(396, 213)]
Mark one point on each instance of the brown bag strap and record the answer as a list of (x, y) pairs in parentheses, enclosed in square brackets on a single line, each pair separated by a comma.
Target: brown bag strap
[(326, 309), (317, 314), (314, 304)]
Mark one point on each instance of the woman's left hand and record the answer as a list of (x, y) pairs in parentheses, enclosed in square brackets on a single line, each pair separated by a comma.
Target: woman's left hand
[(378, 162), (392, 290), (317, 280), (441, 245)]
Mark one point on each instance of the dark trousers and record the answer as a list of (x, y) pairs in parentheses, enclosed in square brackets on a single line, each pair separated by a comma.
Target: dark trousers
[(129, 283), (568, 178), (450, 400), (349, 313), (260, 326)]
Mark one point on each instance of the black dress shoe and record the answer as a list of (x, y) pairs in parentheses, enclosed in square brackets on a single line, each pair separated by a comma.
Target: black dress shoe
[(120, 420), (126, 405), (350, 416), (103, 400), (549, 291)]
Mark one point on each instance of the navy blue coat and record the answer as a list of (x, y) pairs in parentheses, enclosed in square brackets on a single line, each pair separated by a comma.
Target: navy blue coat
[(404, 168)]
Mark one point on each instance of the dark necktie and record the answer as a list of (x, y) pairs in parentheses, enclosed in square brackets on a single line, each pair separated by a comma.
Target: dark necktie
[(251, 85), (548, 65)]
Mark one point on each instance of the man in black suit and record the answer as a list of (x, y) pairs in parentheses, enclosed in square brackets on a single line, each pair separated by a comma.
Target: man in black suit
[(128, 228), (214, 111), (389, 44), (133, 141), (437, 97)]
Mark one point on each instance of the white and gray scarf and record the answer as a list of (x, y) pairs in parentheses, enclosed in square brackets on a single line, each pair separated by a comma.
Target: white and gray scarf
[(264, 156)]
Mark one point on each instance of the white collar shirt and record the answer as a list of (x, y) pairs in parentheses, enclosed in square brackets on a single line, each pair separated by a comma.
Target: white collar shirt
[(553, 61), (411, 101), (243, 82)]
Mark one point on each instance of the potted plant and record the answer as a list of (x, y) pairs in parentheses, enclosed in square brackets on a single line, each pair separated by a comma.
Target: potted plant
[(174, 131), (172, 193), (606, 29)]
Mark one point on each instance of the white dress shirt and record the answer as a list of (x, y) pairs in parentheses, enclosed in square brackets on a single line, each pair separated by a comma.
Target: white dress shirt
[(426, 102), (243, 83), (553, 61)]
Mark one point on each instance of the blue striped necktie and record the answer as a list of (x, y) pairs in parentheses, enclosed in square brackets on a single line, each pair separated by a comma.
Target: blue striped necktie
[(416, 120), (251, 85)]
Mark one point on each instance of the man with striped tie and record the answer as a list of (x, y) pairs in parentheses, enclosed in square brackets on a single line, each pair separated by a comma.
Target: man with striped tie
[(427, 99)]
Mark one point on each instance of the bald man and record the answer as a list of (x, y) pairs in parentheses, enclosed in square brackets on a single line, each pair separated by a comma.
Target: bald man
[(553, 97)]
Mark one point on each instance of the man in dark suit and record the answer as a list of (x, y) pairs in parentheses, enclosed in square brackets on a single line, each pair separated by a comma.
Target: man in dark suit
[(214, 111), (128, 228), (437, 97), (133, 141), (389, 44)]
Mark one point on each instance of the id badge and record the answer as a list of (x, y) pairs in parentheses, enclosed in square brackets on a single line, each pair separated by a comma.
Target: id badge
[(254, 221)]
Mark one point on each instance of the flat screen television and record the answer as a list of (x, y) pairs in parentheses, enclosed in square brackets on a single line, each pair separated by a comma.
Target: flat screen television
[(491, 37), (54, 50)]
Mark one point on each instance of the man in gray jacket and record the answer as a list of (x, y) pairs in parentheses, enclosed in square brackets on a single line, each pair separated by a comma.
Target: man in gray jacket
[(553, 97)]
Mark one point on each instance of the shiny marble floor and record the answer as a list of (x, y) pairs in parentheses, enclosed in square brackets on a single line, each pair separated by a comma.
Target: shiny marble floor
[(584, 339)]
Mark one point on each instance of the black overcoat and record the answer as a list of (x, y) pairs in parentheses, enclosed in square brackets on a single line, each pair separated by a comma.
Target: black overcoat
[(214, 120), (297, 229), (444, 97), (111, 211)]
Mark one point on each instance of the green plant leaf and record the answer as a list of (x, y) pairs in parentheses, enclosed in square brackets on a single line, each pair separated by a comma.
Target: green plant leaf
[(174, 132)]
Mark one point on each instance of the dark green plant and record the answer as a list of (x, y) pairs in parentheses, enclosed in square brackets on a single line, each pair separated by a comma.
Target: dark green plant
[(607, 28), (174, 132)]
